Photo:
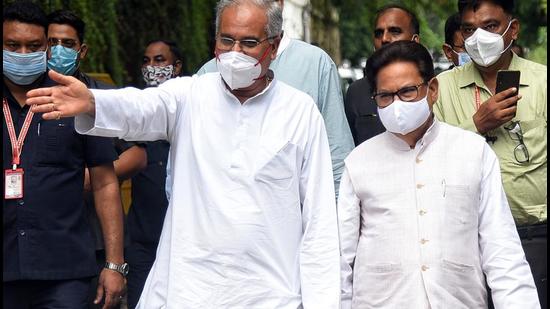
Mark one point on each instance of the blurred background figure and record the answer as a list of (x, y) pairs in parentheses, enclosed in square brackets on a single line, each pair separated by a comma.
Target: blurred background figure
[(392, 23), (162, 60), (454, 42)]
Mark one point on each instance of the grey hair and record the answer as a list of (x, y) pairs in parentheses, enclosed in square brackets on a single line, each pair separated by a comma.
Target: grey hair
[(272, 8)]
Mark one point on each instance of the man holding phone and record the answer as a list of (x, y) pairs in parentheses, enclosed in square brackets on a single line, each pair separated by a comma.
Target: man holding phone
[(513, 121)]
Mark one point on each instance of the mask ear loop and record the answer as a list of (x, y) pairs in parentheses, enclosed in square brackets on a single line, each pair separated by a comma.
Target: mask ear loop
[(512, 41), (262, 59)]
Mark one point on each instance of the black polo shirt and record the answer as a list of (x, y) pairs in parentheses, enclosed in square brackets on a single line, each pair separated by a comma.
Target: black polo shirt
[(149, 203), (46, 233), (361, 112)]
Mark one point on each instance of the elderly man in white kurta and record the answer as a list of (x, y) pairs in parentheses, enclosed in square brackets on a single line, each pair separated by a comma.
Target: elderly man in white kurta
[(252, 219), (422, 212)]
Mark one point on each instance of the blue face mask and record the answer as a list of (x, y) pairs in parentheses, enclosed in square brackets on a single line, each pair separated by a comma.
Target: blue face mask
[(23, 69), (463, 58), (63, 60)]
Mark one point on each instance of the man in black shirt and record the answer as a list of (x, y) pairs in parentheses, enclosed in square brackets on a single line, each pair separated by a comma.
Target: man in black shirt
[(67, 50), (48, 256), (162, 60), (392, 23)]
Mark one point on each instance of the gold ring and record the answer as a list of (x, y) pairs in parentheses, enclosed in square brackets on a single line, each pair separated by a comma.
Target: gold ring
[(58, 115)]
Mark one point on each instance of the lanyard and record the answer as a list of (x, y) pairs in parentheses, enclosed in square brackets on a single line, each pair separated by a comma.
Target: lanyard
[(477, 97), (16, 143)]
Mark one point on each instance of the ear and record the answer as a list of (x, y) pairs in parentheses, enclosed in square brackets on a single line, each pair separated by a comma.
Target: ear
[(433, 86), (178, 66), (448, 51), (514, 29), (83, 51), (416, 38), (276, 42)]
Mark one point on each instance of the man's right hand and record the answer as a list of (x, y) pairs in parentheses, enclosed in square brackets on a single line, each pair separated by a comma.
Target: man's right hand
[(496, 111), (70, 98)]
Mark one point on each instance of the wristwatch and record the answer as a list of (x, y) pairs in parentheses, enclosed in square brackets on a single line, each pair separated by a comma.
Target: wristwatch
[(122, 269)]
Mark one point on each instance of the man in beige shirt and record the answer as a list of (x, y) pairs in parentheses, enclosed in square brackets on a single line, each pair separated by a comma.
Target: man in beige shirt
[(514, 124)]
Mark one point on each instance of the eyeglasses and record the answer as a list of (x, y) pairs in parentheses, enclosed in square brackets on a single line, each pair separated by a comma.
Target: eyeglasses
[(406, 94), (69, 43), (227, 43), (516, 134)]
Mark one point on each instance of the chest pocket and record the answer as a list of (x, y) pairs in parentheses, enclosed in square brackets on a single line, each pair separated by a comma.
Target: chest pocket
[(277, 164), (59, 144)]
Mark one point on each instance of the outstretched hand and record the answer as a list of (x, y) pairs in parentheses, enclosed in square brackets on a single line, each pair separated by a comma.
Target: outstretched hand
[(68, 99)]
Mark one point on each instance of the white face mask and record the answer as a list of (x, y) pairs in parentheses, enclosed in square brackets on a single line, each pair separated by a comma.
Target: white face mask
[(404, 117), (238, 70), (485, 47)]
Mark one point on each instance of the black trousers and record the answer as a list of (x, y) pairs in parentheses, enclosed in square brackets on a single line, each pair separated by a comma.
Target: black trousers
[(534, 243), (45, 294), (140, 257)]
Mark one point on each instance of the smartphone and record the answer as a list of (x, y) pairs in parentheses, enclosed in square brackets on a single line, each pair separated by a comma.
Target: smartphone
[(507, 80)]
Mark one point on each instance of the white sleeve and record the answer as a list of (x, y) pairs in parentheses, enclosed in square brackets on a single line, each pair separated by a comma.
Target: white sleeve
[(136, 115), (502, 257), (349, 220), (319, 252)]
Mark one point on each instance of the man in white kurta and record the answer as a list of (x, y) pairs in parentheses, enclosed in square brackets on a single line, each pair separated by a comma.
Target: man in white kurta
[(252, 218), (423, 215)]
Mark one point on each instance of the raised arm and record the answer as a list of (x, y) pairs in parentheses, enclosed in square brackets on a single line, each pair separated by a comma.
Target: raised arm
[(68, 99)]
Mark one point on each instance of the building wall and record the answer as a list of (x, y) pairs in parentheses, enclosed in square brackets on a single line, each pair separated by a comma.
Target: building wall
[(313, 21)]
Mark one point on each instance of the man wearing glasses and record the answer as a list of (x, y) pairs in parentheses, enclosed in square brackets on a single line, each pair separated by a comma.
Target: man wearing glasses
[(392, 23), (49, 255), (453, 48), (422, 212), (311, 70), (251, 222), (513, 123)]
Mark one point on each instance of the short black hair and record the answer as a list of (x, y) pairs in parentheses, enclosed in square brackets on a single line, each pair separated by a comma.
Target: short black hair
[(400, 51), (66, 17), (414, 21), (506, 5), (174, 49), (452, 25), (26, 12)]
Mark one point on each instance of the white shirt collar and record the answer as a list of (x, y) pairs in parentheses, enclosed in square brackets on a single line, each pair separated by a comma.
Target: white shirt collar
[(285, 41)]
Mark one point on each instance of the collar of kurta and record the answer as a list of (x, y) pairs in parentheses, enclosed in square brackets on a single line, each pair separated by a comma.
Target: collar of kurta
[(422, 143), (285, 41), (232, 97), (468, 74)]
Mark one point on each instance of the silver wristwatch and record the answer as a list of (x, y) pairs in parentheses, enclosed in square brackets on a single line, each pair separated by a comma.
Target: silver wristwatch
[(122, 269)]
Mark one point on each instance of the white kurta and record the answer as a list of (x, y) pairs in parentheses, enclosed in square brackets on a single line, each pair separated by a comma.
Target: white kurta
[(420, 227), (252, 218)]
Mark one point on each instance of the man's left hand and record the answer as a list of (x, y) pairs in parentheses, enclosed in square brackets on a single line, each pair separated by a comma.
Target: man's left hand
[(111, 286)]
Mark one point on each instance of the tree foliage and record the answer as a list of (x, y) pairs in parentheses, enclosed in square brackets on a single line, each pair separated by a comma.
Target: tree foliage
[(117, 30), (357, 24)]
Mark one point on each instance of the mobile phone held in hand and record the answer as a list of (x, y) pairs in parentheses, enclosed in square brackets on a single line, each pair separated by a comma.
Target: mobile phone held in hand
[(507, 80)]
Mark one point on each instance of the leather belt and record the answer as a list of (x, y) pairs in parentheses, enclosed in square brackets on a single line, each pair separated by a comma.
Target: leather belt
[(530, 231)]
